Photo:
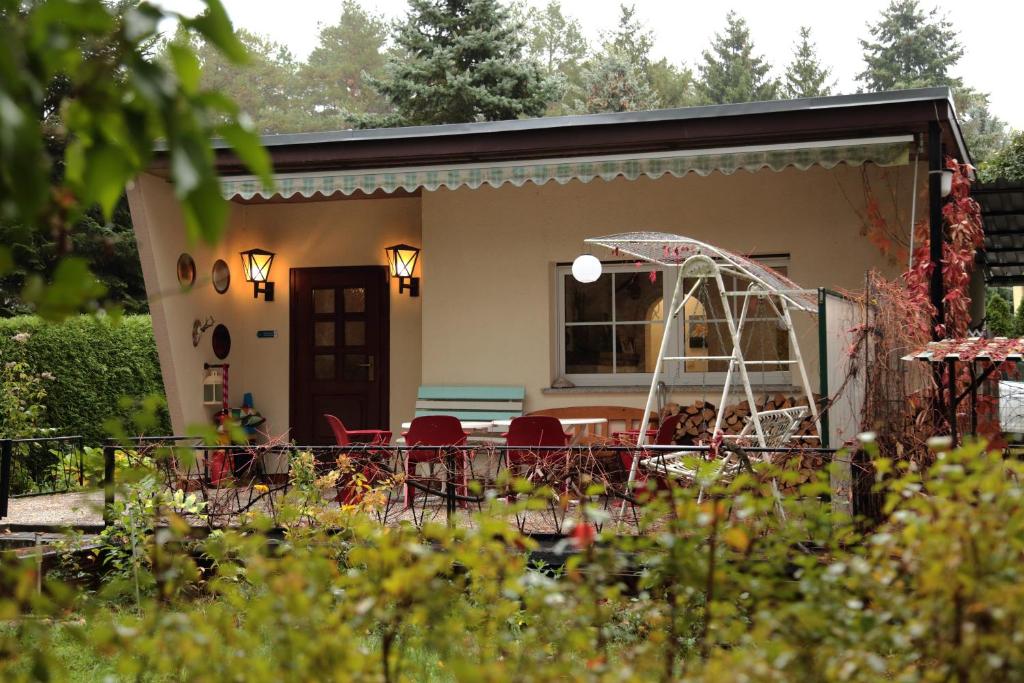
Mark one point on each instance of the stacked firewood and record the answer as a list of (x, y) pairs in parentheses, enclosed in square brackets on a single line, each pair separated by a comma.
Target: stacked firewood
[(699, 420)]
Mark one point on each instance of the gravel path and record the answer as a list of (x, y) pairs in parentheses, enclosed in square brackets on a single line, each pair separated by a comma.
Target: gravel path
[(85, 508), (79, 507)]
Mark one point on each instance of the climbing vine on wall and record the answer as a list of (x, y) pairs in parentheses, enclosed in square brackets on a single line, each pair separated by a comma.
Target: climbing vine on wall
[(964, 236)]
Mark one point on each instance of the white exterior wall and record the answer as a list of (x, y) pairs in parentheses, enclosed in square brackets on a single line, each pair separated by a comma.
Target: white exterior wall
[(486, 314)]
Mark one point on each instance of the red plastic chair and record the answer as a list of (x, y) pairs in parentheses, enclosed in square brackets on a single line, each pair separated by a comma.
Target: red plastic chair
[(348, 492), (435, 430), (535, 430), (530, 431), (343, 436), (665, 436)]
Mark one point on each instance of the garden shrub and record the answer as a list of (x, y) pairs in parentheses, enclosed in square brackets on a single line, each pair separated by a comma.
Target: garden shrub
[(101, 368), (720, 589)]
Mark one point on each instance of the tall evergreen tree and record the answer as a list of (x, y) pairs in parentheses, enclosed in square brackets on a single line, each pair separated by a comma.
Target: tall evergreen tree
[(460, 61), (805, 76), (998, 317), (910, 48), (674, 86), (109, 247), (618, 77), (555, 42), (1018, 321), (265, 87), (1007, 163), (612, 83), (730, 71), (631, 40), (984, 132), (335, 75), (623, 76)]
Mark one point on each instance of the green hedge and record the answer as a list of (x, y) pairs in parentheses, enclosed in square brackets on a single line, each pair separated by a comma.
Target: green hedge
[(96, 363)]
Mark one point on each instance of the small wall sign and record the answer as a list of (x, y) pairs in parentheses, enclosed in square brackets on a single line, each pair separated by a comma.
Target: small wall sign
[(266, 334)]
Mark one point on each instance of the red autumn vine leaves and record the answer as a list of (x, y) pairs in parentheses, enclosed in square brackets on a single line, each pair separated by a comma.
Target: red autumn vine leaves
[(964, 236)]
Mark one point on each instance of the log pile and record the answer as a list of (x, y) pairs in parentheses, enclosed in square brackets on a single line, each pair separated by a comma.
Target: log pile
[(699, 420)]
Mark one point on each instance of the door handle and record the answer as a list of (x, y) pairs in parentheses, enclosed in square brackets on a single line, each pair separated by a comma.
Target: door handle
[(369, 365)]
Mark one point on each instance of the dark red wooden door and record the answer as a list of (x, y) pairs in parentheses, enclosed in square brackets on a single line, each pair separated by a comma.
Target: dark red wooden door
[(339, 350)]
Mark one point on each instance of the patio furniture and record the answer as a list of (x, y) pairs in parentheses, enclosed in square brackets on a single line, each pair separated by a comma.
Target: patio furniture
[(593, 423), (531, 431), (528, 433), (344, 436), (436, 431), (471, 403), (778, 428), (665, 435), (348, 490), (706, 266)]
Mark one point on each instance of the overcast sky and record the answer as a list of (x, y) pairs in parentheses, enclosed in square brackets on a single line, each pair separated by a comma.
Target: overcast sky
[(989, 29)]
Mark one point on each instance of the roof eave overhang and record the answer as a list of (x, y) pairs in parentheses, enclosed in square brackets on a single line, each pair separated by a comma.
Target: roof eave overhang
[(844, 117)]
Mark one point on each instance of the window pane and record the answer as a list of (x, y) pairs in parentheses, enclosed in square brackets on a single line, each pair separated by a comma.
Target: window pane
[(323, 366), (356, 366), (588, 349), (637, 347), (355, 333), (591, 302), (323, 333), (323, 301), (355, 299), (636, 297)]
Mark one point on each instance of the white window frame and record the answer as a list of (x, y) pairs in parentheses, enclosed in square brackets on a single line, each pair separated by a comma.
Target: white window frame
[(672, 372)]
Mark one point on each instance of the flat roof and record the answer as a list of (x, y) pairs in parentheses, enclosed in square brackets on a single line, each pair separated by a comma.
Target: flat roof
[(610, 118), (1002, 213), (817, 118)]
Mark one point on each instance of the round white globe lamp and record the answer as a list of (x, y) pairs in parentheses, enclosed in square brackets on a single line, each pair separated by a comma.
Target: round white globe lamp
[(586, 268)]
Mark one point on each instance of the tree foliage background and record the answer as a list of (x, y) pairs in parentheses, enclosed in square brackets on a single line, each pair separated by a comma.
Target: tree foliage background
[(445, 61)]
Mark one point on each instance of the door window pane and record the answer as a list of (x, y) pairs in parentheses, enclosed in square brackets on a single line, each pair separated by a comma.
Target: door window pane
[(355, 299), (356, 367), (588, 349), (355, 333), (323, 333), (323, 366), (323, 301)]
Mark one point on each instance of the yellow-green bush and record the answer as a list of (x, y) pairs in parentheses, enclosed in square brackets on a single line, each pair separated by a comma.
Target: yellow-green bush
[(101, 369), (723, 589)]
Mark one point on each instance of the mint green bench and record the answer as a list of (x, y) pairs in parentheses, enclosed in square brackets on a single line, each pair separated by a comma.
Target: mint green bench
[(469, 403)]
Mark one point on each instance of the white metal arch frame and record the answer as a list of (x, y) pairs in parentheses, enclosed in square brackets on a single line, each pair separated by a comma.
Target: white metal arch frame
[(703, 262)]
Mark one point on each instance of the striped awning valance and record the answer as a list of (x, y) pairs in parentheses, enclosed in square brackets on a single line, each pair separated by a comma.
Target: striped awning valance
[(889, 151)]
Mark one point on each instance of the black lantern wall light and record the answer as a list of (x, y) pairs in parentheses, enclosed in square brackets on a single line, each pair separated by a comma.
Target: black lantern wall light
[(256, 265), (402, 262)]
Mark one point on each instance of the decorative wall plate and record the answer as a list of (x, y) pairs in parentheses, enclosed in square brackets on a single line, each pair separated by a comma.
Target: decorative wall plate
[(221, 342), (221, 276), (186, 271)]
